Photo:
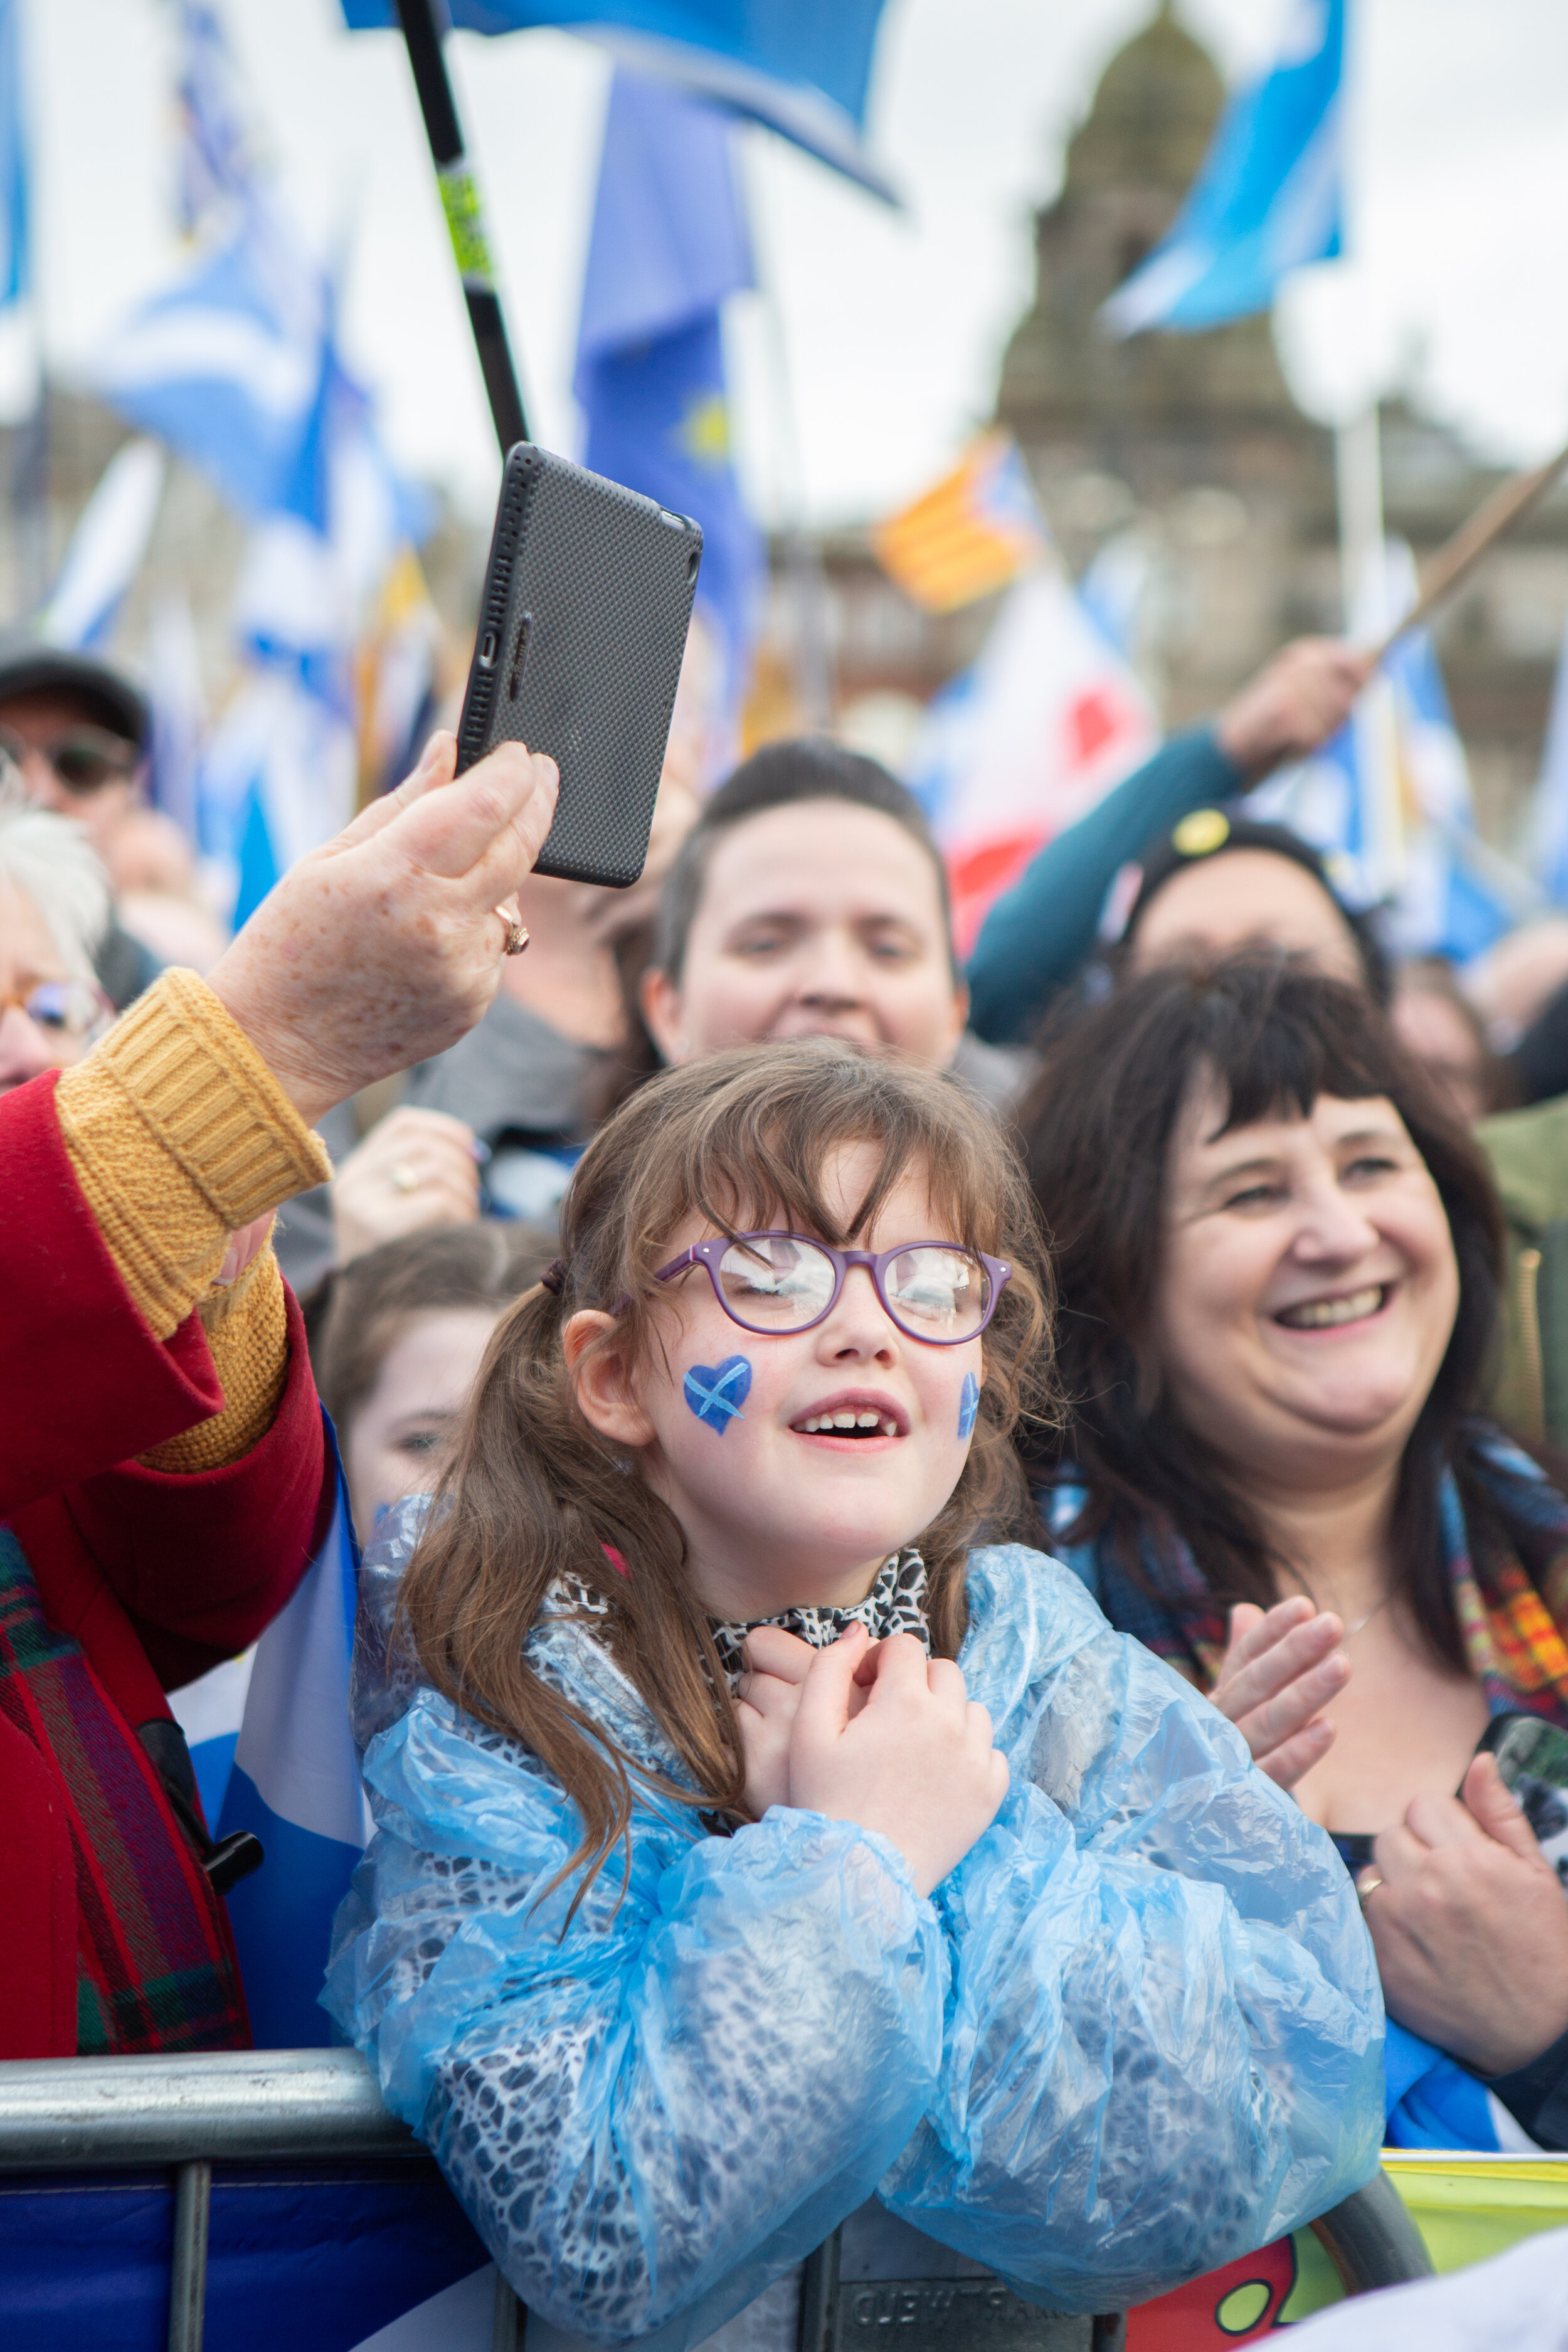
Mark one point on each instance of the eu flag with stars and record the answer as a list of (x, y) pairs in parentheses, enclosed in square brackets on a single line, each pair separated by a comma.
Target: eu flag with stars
[(668, 243)]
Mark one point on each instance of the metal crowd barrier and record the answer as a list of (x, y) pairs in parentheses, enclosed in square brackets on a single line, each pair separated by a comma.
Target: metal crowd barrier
[(76, 2115), (73, 2115)]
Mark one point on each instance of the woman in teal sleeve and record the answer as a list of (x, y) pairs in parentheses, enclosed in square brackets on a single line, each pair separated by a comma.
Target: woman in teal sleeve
[(1041, 930)]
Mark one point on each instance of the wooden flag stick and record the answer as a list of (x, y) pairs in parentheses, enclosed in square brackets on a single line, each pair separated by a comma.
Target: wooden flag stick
[(1492, 520)]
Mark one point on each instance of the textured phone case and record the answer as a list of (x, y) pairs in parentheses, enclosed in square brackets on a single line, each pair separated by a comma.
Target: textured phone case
[(582, 628)]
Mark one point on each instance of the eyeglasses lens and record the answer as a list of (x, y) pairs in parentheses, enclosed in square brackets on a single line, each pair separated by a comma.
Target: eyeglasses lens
[(937, 1294), (62, 1007), (774, 1283)]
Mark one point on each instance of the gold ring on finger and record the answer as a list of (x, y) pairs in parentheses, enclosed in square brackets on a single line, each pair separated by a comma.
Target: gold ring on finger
[(516, 933), (1367, 1884), (404, 1177)]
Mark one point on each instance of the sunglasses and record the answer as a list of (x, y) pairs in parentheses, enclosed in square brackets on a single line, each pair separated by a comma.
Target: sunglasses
[(782, 1283), (83, 760)]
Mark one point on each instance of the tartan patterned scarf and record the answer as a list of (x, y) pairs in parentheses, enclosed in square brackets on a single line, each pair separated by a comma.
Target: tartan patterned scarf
[(154, 1967), (1512, 1610)]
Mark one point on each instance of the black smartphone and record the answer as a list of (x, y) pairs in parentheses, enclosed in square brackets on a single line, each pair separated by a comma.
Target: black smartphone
[(583, 624), (1532, 1757)]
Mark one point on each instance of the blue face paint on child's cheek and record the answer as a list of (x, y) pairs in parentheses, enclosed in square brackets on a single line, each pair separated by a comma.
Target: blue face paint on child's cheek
[(717, 1392), (968, 1405)]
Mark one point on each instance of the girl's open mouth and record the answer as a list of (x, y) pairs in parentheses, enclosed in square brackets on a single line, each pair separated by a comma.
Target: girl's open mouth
[(862, 1419)]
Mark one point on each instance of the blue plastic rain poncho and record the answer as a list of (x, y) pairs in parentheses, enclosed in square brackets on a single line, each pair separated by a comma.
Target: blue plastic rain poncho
[(1136, 2033)]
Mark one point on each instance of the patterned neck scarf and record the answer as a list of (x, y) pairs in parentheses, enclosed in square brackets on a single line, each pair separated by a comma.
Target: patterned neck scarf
[(1512, 1610), (895, 1604)]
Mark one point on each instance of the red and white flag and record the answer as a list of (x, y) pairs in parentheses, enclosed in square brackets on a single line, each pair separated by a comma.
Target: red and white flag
[(1046, 719)]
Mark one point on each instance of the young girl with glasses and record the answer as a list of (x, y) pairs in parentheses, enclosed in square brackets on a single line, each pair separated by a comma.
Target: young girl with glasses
[(764, 1843)]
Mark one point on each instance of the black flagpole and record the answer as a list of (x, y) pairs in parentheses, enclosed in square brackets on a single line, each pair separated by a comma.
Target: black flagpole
[(465, 219)]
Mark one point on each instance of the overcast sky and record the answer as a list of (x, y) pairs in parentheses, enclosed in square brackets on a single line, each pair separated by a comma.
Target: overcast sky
[(874, 349)]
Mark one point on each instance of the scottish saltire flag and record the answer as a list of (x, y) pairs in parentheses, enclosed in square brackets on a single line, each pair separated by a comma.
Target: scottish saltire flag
[(973, 532), (668, 243), (106, 548), (295, 1782), (210, 1712), (1268, 197), (278, 778), (802, 71), (225, 366), (1398, 766), (1020, 744)]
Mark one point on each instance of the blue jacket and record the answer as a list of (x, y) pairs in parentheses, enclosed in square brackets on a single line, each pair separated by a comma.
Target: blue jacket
[(1136, 2033)]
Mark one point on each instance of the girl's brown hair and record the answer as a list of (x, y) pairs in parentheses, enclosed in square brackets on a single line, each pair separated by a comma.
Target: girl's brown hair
[(535, 1495)]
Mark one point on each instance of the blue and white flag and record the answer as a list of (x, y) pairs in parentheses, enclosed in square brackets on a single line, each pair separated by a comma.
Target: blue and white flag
[(1398, 764), (1268, 197), (295, 1782), (179, 707), (802, 71), (106, 548), (669, 244), (1549, 811), (16, 244), (227, 366), (215, 166)]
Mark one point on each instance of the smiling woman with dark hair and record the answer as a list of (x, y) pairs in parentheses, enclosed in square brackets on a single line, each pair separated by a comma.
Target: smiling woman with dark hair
[(1277, 1259)]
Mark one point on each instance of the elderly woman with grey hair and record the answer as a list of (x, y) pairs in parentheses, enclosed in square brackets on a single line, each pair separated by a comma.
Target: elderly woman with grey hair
[(54, 910)]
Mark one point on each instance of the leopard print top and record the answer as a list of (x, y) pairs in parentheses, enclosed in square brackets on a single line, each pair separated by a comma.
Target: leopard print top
[(895, 1604)]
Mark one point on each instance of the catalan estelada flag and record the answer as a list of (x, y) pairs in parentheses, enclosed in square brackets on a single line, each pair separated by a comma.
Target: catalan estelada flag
[(976, 531)]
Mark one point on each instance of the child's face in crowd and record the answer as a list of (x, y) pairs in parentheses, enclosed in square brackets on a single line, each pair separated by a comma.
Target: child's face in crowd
[(775, 1516), (817, 920), (399, 1439), (1309, 1288)]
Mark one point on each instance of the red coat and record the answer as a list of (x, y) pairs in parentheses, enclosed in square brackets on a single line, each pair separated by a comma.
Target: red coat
[(156, 1577)]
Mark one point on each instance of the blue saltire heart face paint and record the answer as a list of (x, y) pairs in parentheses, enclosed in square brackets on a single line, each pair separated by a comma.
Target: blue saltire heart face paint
[(968, 1405), (716, 1392)]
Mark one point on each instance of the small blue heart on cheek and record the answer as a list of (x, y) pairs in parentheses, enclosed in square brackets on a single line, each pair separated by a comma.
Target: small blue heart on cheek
[(968, 1405), (717, 1392)]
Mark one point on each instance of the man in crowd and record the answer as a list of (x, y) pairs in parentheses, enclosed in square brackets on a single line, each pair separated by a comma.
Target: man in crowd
[(79, 733)]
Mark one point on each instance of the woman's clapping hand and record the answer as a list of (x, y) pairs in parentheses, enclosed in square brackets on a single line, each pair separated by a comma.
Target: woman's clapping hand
[(1469, 1925), (1282, 1667)]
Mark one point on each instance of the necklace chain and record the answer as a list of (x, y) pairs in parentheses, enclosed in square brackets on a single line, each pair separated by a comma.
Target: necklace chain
[(1362, 1622)]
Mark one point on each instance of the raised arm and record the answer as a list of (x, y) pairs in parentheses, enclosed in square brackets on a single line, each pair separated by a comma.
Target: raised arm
[(1039, 932), (145, 1316)]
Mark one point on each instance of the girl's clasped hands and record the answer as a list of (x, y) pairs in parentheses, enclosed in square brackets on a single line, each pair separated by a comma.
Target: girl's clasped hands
[(872, 1732)]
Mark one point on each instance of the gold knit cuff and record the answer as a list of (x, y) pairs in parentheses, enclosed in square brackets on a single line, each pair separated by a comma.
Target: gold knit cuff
[(179, 1135), (246, 1325)]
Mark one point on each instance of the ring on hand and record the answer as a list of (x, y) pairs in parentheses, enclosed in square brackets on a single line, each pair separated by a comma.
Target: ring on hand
[(1367, 1884), (403, 1177), (516, 933)]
